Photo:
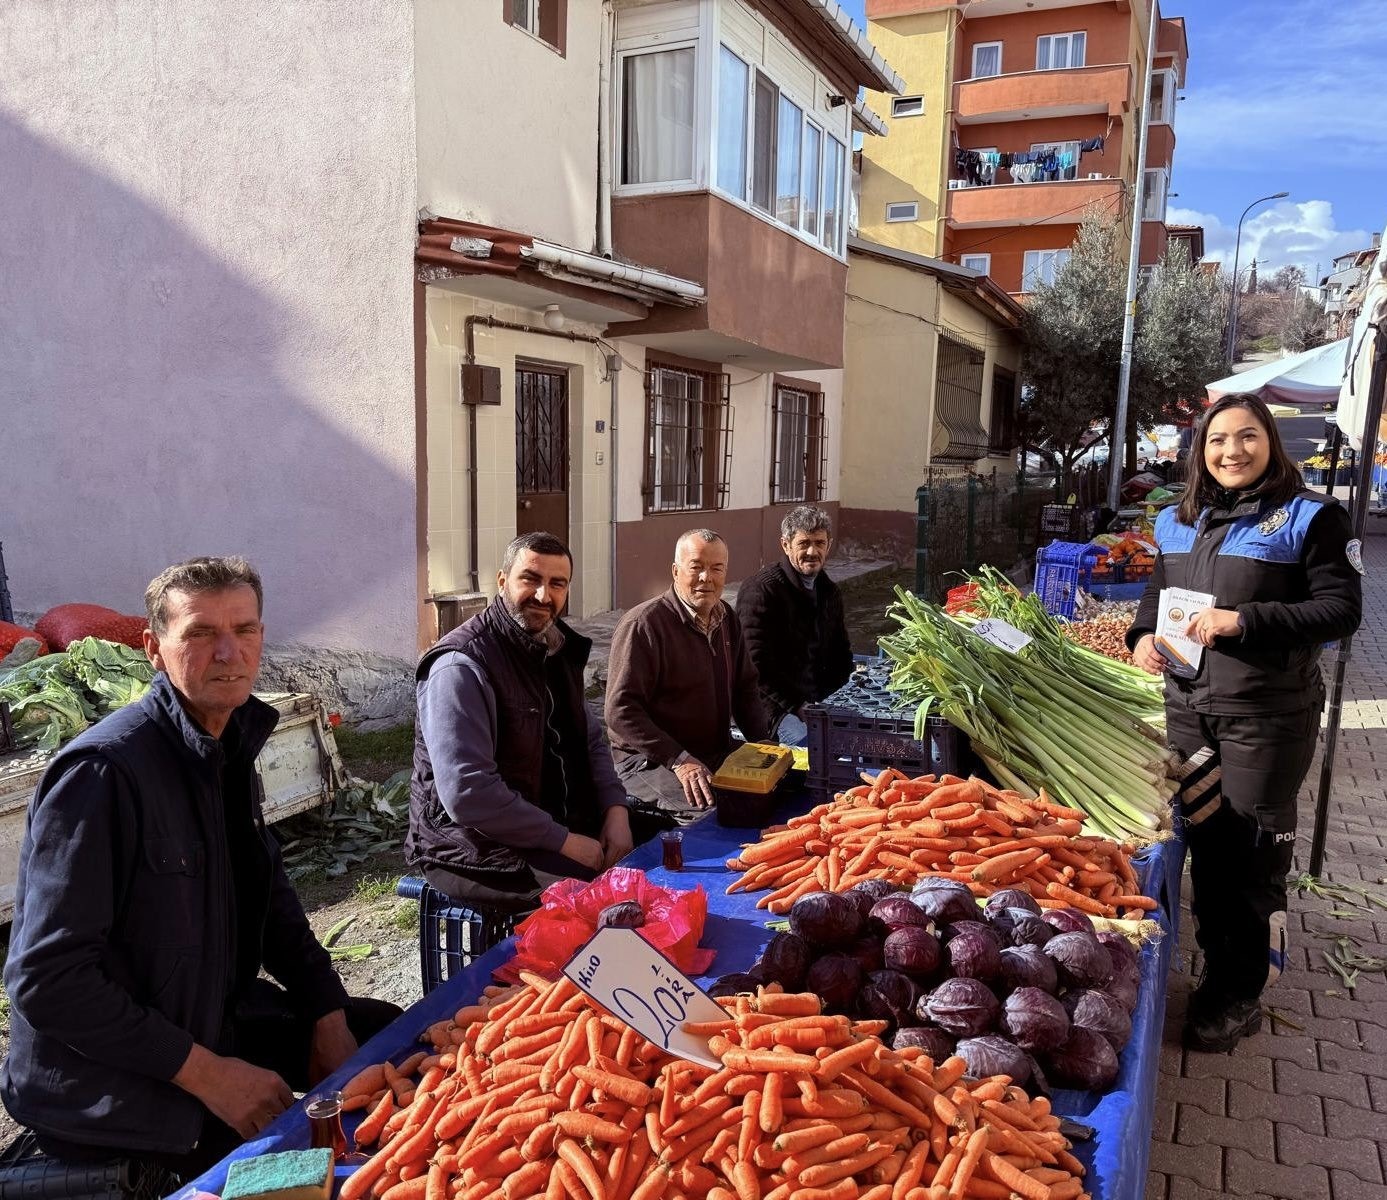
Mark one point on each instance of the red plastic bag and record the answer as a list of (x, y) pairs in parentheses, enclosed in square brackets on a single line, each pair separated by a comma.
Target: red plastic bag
[(568, 912), (72, 622), (12, 635)]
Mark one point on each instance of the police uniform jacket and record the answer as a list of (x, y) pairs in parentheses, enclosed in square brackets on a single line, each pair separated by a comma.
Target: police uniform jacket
[(1291, 573)]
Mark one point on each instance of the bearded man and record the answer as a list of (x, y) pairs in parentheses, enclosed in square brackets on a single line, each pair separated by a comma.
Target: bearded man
[(513, 783)]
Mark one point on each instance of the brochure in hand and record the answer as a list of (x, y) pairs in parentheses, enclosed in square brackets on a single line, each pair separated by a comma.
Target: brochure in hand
[(1178, 607)]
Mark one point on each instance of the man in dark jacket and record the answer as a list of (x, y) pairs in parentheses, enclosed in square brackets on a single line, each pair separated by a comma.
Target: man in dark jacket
[(513, 782), (151, 895), (678, 675), (792, 616)]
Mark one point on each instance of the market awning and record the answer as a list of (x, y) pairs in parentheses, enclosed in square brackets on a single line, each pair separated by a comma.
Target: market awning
[(1353, 394), (1310, 379)]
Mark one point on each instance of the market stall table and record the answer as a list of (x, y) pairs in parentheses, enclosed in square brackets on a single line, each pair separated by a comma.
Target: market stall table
[(1116, 1157)]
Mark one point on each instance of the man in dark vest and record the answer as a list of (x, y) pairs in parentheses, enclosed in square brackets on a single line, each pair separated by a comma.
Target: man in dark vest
[(513, 782)]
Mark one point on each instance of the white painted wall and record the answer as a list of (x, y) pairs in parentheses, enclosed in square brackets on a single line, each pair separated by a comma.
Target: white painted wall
[(205, 305), (508, 128)]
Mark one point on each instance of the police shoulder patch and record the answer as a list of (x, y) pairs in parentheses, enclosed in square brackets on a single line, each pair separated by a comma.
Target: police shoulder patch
[(1274, 520), (1354, 553)]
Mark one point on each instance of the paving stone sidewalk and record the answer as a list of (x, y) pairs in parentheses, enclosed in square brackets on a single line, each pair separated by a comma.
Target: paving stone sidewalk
[(1300, 1111)]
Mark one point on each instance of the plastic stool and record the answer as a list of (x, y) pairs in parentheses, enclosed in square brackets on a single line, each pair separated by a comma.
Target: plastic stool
[(453, 933), (26, 1174)]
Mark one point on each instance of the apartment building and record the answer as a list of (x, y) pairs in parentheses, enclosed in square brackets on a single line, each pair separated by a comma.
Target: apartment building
[(632, 278), (1019, 118)]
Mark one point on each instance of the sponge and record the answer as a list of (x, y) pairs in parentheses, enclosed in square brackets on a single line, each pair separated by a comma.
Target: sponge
[(288, 1175)]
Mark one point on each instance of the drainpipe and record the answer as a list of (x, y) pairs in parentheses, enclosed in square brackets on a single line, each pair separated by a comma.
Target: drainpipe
[(604, 147), (613, 370), (469, 339)]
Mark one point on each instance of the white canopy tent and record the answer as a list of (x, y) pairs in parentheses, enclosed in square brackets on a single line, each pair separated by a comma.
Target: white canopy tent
[(1309, 379), (1353, 395)]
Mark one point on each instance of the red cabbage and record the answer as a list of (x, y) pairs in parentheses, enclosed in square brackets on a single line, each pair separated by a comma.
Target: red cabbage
[(945, 900), (934, 1042), (889, 996), (733, 985), (825, 919), (994, 1055), (973, 953), (1121, 950), (1027, 966), (897, 912), (1035, 1020), (1086, 1061), (1028, 929), (1068, 920), (1006, 898), (1096, 1010), (1124, 990), (912, 950), (965, 1007), (837, 979), (786, 960), (868, 952), (1080, 959)]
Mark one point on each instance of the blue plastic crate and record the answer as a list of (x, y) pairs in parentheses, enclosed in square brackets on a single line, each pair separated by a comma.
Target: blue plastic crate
[(452, 934), (1061, 570)]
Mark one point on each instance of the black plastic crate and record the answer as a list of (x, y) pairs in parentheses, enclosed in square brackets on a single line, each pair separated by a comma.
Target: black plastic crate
[(863, 727), (453, 934)]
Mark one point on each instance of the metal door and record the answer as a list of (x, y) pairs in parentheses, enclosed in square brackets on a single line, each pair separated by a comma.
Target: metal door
[(541, 451)]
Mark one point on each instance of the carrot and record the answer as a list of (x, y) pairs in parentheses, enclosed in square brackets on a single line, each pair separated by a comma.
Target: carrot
[(368, 1080), (409, 1189), (359, 1183), (584, 1125), (570, 1152), (1018, 1181), (370, 1129), (790, 1004), (772, 1111)]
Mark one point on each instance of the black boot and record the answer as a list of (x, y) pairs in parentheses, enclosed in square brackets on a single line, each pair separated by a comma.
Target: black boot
[(1217, 1029)]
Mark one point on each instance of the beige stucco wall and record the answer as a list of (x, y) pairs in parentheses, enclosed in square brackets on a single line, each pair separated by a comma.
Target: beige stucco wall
[(205, 310), (507, 127), (589, 529), (894, 316)]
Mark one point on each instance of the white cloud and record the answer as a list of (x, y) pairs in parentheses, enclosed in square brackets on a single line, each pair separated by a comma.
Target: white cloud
[(1300, 84), (1302, 233)]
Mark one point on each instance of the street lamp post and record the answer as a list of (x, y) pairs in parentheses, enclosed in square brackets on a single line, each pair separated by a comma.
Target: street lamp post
[(1233, 300)]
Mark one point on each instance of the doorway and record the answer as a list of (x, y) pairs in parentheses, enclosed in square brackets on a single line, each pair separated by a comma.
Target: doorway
[(541, 450)]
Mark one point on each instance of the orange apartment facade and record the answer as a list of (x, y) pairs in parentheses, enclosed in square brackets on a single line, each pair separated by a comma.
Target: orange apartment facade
[(1026, 119)]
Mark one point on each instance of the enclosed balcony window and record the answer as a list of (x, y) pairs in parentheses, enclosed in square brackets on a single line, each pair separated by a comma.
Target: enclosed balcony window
[(1042, 266), (789, 147), (1155, 184), (733, 101), (657, 116), (813, 179), (763, 142), (1163, 97), (1058, 51), (835, 159)]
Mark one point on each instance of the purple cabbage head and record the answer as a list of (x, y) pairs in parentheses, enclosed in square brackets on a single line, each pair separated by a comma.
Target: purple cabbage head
[(1029, 930), (911, 949), (786, 961), (826, 919), (934, 1042), (1086, 1060), (1080, 960), (837, 978), (1068, 920), (945, 900), (1006, 898), (1027, 967), (963, 1007), (1120, 949), (974, 953), (867, 951), (1035, 1020), (1101, 1012), (897, 912), (889, 996), (992, 1054), (733, 985)]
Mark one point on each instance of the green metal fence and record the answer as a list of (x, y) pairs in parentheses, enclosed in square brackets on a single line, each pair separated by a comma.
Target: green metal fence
[(964, 521)]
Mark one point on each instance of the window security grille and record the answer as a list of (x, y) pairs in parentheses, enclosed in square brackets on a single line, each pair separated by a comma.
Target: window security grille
[(798, 437), (688, 421)]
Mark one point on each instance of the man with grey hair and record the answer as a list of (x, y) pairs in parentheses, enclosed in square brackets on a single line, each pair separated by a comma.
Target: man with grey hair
[(151, 897), (513, 782), (796, 632), (678, 676)]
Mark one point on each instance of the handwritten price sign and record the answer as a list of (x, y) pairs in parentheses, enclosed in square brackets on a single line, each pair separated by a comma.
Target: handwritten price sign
[(1000, 634), (633, 981)]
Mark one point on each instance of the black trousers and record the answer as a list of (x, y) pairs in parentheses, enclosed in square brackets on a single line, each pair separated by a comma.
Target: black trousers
[(1239, 804), (265, 1031)]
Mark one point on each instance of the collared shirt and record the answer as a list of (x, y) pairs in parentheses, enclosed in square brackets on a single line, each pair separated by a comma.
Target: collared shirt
[(706, 626)]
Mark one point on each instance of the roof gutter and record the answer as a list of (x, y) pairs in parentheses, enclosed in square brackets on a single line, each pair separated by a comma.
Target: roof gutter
[(684, 290), (855, 41), (866, 121)]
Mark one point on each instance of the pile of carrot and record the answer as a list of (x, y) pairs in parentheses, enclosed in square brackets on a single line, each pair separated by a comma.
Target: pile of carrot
[(901, 829), (540, 1095)]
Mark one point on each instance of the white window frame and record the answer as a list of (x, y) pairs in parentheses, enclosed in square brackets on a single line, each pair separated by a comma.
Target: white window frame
[(530, 21), (828, 140), (986, 46), (970, 261), (1170, 88), (700, 135), (1050, 40), (749, 99), (1059, 148), (1043, 263), (912, 215), (903, 107), (1150, 190)]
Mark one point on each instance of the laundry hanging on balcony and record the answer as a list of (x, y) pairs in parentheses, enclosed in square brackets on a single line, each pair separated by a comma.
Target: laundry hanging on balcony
[(979, 168)]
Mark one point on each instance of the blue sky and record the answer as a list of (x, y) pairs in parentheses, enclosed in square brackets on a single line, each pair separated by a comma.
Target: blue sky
[(1280, 95)]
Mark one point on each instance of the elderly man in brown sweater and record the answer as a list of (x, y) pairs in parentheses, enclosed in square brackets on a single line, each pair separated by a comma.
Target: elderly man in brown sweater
[(678, 675)]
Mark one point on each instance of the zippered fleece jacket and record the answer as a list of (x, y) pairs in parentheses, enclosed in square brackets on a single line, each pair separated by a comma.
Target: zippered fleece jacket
[(129, 936), (1289, 572)]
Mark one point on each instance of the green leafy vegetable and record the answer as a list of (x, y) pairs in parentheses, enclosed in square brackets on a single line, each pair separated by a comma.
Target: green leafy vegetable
[(54, 697)]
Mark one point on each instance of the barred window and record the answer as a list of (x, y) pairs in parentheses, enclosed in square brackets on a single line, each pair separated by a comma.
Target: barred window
[(688, 420), (958, 432), (798, 442)]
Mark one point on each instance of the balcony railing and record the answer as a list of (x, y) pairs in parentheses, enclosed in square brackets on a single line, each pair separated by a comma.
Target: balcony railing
[(1061, 203), (1072, 91)]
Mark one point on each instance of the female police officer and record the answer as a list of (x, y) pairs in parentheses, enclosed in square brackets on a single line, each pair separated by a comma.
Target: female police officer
[(1285, 578)]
